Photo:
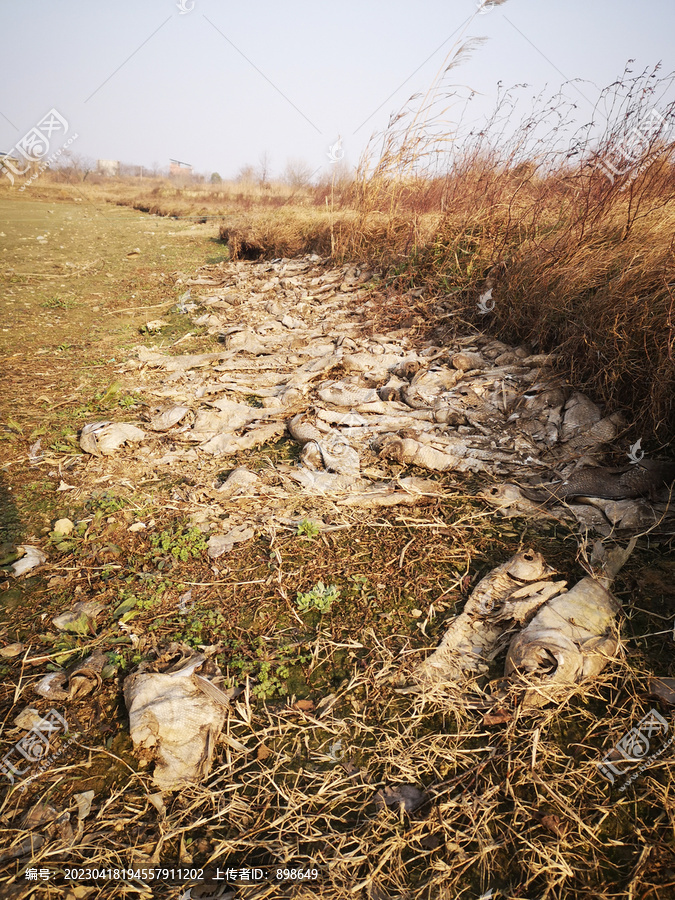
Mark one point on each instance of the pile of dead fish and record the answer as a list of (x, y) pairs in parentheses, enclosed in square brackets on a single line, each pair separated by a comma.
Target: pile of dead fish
[(557, 639), (298, 358)]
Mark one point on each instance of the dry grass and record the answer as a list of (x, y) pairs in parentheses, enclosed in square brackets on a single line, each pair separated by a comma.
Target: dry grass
[(517, 807), (578, 263)]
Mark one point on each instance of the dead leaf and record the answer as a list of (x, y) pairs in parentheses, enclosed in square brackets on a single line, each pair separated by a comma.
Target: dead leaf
[(83, 804), (28, 845), (32, 557), (155, 325), (431, 841), (38, 815), (497, 717), (57, 581), (235, 744), (9, 651), (52, 686), (85, 676), (63, 527), (550, 821), (65, 828), (157, 801), (553, 824), (81, 619), (28, 718)]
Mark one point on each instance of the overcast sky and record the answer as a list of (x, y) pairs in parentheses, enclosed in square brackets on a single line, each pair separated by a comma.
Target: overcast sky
[(221, 84)]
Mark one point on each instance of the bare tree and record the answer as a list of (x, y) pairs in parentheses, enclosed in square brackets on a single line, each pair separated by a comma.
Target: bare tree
[(263, 171), (246, 173), (298, 173), (75, 166)]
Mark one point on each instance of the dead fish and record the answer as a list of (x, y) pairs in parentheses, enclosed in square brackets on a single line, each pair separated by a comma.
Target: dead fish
[(240, 481), (647, 478), (450, 454), (632, 515), (227, 444), (462, 405), (338, 456), (467, 361), (570, 640), (509, 500), (173, 719), (509, 594), (347, 395), (404, 492), (166, 418), (303, 431), (580, 414), (103, 438)]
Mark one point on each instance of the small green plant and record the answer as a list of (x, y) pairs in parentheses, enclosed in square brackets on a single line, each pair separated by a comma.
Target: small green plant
[(106, 504), (361, 587), (55, 302), (116, 660), (307, 528), (269, 672), (13, 425), (179, 543), (66, 443), (320, 598), (269, 682), (192, 632), (154, 598)]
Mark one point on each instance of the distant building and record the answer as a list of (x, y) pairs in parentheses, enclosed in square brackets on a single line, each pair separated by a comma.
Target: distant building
[(9, 167), (109, 167), (179, 168)]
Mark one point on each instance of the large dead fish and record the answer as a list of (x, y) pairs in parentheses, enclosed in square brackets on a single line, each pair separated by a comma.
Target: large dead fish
[(648, 478), (509, 595), (570, 640), (176, 716)]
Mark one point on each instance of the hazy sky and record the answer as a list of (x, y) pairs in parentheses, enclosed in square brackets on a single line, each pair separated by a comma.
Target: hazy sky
[(219, 85)]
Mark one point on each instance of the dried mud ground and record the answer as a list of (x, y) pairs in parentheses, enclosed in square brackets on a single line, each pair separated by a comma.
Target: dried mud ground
[(513, 807)]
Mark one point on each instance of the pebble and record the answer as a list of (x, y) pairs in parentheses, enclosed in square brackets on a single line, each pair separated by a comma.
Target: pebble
[(63, 526)]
